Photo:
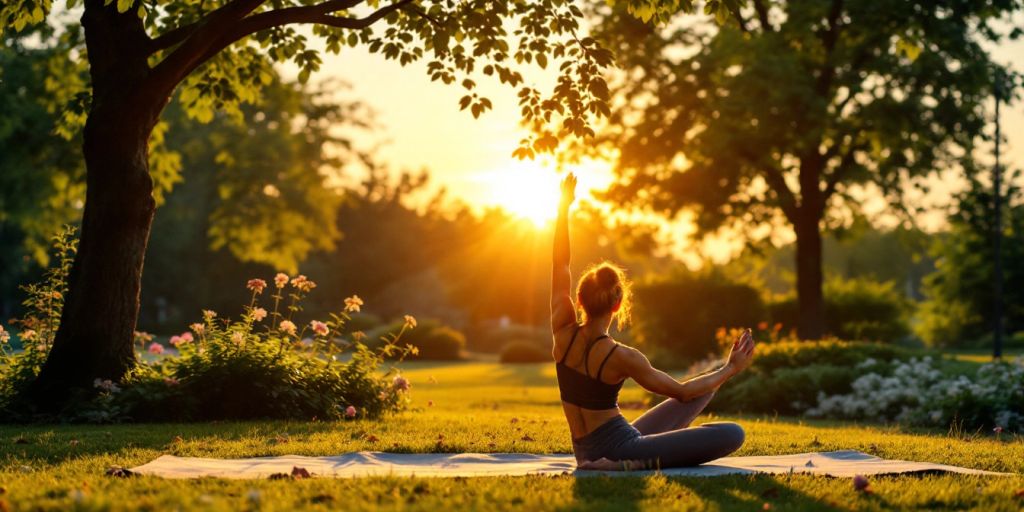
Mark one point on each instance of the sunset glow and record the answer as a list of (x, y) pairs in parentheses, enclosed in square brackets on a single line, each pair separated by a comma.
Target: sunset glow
[(529, 188)]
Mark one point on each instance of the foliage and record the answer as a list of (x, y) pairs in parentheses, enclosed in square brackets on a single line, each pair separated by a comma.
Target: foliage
[(455, 42), (678, 316), (855, 309), (43, 303), (433, 340), (525, 352), (43, 175), (259, 366), (959, 294), (787, 376), (918, 393)]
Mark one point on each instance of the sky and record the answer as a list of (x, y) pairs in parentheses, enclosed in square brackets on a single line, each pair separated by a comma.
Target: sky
[(423, 128)]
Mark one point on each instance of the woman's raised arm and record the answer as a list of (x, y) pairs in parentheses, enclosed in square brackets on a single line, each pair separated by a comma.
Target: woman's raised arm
[(562, 311)]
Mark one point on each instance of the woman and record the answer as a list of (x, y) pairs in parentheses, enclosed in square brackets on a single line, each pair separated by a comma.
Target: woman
[(591, 368)]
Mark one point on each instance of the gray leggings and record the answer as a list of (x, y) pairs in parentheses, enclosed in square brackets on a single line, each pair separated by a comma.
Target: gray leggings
[(662, 437)]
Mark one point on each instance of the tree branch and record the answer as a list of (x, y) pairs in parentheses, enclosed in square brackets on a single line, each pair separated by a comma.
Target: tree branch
[(317, 14), (739, 19), (200, 38), (841, 172), (762, 15), (777, 182)]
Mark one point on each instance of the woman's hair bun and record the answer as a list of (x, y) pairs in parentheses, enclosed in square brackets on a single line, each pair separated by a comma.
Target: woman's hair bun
[(607, 277)]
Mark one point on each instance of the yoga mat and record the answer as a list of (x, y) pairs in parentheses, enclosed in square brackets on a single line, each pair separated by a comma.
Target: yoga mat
[(359, 464)]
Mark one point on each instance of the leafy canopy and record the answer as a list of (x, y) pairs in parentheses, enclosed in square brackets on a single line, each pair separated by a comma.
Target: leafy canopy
[(778, 115), (221, 52)]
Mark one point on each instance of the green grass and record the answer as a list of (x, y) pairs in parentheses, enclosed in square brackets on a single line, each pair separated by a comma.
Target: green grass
[(481, 407)]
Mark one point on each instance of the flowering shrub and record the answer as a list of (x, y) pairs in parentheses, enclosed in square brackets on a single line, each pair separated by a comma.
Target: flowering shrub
[(43, 303), (266, 364), (787, 376), (434, 341), (917, 393)]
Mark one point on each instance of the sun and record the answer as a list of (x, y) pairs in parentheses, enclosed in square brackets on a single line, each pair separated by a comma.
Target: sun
[(529, 189), (526, 189)]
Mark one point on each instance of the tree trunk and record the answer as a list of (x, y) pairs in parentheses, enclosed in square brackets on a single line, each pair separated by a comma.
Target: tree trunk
[(810, 299), (97, 326)]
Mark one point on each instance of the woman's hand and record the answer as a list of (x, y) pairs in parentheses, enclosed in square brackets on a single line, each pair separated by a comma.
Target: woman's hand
[(742, 353), (568, 189)]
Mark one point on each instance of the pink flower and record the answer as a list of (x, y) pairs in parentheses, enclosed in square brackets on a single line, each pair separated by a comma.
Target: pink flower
[(259, 314), (186, 337), (256, 285), (353, 304), (998, 430), (198, 328), (301, 283), (359, 335), (29, 334), (410, 321), (4, 335), (280, 280), (860, 482), (287, 326), (209, 313), (171, 381), (156, 348), (350, 412), (400, 383), (238, 337), (319, 328)]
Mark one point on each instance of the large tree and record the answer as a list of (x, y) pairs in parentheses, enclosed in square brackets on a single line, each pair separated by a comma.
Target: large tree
[(775, 118)]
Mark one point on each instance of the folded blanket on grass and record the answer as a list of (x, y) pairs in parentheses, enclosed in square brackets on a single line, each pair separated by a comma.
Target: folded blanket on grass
[(837, 464)]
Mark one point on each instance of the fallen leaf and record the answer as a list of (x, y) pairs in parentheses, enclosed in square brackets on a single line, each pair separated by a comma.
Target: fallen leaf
[(119, 472), (860, 482), (372, 438), (322, 498), (527, 438)]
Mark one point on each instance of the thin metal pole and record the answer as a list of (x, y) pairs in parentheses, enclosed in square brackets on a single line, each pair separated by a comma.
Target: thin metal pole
[(997, 309)]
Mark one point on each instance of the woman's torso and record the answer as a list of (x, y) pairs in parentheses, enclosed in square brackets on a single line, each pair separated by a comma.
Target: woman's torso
[(570, 352)]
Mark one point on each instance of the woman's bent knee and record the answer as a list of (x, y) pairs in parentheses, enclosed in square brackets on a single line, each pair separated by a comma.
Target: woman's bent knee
[(732, 434)]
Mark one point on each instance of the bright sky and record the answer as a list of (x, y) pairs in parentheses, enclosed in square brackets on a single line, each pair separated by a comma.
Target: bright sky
[(472, 157)]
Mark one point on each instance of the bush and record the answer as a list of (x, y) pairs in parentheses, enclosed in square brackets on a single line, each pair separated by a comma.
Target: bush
[(787, 376), (525, 352), (855, 309), (433, 341), (680, 316), (495, 338), (259, 366), (918, 393)]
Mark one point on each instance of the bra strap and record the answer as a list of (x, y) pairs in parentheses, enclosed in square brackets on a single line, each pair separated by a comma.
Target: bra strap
[(586, 353), (601, 368), (567, 349)]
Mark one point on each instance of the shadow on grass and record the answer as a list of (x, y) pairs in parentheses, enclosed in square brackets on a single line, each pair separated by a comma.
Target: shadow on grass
[(57, 443), (749, 492), (608, 493)]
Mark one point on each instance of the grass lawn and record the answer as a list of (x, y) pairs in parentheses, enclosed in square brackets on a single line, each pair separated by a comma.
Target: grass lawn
[(481, 407)]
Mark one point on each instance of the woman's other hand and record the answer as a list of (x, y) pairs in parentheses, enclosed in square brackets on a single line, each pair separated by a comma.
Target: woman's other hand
[(568, 189), (742, 352)]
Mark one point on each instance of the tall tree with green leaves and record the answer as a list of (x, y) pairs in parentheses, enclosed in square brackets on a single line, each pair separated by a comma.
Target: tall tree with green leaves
[(777, 117), (218, 55)]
